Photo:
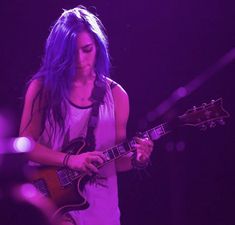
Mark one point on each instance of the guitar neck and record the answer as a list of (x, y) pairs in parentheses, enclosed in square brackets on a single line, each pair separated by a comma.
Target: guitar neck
[(119, 150), (129, 145), (205, 115)]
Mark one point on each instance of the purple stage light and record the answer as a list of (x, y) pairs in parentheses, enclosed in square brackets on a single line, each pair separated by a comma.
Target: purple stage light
[(22, 144), (180, 93), (28, 190), (180, 146)]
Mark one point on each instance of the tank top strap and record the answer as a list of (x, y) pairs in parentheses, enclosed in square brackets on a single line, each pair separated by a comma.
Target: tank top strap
[(113, 84)]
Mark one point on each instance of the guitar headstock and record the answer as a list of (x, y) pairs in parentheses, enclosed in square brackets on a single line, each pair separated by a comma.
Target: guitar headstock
[(207, 115)]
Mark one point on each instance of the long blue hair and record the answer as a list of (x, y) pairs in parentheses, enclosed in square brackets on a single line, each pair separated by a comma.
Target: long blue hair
[(59, 62)]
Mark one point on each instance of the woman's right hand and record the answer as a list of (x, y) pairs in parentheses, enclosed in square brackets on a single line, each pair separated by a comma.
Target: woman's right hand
[(85, 162)]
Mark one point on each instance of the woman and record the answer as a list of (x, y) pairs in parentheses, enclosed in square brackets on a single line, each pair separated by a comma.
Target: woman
[(58, 106)]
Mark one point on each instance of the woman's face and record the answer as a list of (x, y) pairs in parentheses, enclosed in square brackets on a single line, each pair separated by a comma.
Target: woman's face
[(86, 55)]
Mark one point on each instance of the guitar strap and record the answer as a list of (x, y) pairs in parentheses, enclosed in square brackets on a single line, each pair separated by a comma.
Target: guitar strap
[(97, 97)]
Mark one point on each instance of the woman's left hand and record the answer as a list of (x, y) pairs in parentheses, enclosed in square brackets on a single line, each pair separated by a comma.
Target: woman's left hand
[(144, 148)]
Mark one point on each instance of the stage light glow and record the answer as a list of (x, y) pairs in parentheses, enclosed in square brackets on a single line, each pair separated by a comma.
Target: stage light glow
[(180, 146), (28, 190), (22, 144), (170, 146), (181, 92)]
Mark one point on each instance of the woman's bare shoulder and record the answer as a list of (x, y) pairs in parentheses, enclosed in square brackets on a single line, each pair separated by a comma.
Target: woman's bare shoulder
[(34, 88), (117, 89)]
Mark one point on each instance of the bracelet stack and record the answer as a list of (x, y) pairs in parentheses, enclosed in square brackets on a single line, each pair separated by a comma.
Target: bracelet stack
[(66, 159)]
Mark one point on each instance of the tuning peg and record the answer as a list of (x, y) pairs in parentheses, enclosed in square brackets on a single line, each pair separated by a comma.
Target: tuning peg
[(204, 105), (221, 122), (212, 124), (203, 127)]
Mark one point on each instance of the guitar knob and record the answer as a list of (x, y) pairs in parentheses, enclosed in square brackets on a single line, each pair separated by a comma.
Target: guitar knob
[(203, 127), (194, 108), (204, 105), (212, 101), (212, 124), (221, 122)]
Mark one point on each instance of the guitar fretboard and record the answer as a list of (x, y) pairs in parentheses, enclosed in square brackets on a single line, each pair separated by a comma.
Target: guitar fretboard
[(67, 176), (129, 145)]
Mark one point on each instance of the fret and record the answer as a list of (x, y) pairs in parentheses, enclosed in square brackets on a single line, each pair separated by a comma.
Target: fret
[(121, 149), (132, 143), (115, 152), (146, 135), (161, 130), (156, 132), (127, 146), (107, 155), (110, 154)]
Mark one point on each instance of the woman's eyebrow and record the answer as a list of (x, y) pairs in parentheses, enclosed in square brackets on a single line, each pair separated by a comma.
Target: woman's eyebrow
[(87, 45)]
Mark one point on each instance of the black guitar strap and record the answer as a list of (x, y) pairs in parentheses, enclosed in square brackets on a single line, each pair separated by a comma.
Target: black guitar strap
[(97, 97)]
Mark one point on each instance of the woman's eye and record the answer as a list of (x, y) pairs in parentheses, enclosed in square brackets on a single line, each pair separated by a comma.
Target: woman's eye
[(87, 49)]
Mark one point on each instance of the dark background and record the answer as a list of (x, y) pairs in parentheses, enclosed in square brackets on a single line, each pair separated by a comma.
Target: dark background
[(156, 46)]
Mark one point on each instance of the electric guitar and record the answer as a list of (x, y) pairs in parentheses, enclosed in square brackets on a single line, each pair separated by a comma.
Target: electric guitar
[(63, 186)]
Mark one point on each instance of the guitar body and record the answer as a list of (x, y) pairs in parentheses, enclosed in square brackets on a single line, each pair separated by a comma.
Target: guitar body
[(52, 183)]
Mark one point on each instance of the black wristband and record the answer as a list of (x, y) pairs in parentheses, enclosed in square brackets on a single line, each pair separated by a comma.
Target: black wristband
[(66, 159)]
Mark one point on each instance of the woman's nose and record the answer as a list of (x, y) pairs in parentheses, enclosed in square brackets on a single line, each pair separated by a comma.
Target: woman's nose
[(80, 57)]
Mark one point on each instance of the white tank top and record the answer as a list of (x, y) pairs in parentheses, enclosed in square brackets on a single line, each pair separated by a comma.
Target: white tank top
[(103, 194)]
